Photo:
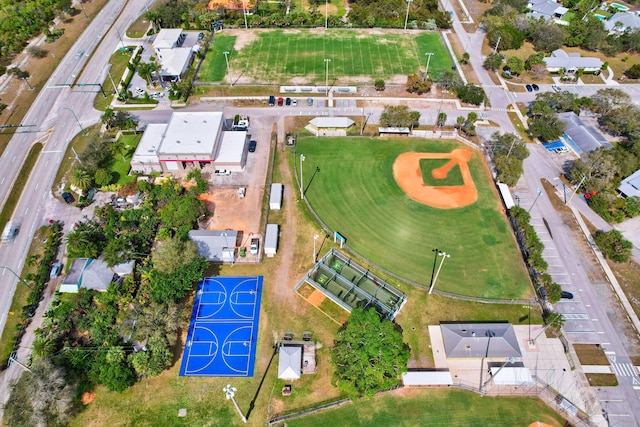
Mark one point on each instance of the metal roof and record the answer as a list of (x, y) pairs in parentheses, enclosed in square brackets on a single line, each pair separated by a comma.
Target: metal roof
[(290, 362), (215, 245), (477, 340), (586, 137), (630, 186)]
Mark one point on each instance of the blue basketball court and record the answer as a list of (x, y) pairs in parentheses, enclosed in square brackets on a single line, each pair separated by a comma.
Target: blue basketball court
[(222, 336)]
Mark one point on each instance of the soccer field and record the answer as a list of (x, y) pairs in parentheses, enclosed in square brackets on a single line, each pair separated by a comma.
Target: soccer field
[(355, 193), (298, 56)]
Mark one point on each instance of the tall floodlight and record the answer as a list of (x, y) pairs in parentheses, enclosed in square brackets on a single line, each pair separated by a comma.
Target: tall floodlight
[(230, 392), (226, 58), (429, 55), (444, 255), (406, 18)]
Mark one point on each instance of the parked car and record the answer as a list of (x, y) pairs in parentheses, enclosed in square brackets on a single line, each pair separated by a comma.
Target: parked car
[(200, 36), (535, 87), (139, 91), (529, 88), (68, 197), (566, 295), (280, 101), (287, 101), (543, 292), (222, 172), (253, 249), (55, 270), (272, 101), (294, 102), (252, 146), (310, 102), (556, 88)]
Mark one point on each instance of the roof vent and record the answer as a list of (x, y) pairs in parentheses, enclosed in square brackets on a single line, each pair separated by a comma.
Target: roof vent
[(473, 334), (178, 141), (186, 121), (199, 142)]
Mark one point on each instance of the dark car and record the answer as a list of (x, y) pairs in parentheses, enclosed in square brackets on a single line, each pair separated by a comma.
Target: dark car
[(543, 292), (287, 101), (280, 102), (200, 36), (68, 197), (535, 87), (252, 146), (566, 295), (272, 101), (529, 88)]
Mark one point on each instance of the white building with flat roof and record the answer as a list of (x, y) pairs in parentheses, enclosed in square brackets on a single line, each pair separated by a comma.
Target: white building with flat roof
[(232, 151), (145, 159), (174, 59)]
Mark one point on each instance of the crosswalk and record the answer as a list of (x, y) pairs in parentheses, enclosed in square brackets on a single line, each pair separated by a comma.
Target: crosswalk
[(624, 369)]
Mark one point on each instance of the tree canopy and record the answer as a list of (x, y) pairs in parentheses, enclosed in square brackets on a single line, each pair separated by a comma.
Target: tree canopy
[(368, 354), (398, 116)]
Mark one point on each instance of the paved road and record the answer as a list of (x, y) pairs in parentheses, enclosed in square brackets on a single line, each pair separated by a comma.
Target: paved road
[(54, 113)]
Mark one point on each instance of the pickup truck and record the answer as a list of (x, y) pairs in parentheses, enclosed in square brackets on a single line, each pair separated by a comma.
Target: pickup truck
[(253, 249)]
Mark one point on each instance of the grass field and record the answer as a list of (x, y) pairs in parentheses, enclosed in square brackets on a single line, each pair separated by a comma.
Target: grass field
[(432, 407), (355, 193), (299, 56)]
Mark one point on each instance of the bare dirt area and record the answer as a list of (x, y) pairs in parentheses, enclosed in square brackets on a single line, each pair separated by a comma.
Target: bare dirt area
[(407, 173), (232, 212)]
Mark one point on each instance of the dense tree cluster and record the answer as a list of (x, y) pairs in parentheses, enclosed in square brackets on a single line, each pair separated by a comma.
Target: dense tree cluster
[(614, 245), (509, 151), (399, 116), (368, 354)]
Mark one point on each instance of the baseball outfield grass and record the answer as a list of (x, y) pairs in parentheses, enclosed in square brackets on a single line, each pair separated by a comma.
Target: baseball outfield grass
[(355, 193), (299, 55)]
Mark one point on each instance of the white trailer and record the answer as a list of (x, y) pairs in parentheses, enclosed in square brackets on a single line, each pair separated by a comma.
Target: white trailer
[(275, 199), (271, 240)]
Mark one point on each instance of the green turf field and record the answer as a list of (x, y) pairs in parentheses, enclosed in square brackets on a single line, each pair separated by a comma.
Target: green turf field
[(281, 56), (355, 193), (433, 407)]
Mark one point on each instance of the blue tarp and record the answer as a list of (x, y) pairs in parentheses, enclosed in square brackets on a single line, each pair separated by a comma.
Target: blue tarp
[(553, 145)]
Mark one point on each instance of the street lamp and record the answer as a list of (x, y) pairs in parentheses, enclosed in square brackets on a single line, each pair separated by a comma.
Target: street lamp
[(326, 14), (429, 55), (364, 98), (535, 200), (406, 18), (226, 58), (77, 121), (244, 9), (443, 255), (326, 76), (229, 393), (301, 185), (20, 279), (315, 238)]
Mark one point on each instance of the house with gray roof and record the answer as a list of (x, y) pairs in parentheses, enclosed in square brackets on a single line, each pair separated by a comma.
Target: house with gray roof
[(480, 340), (546, 9), (571, 62), (622, 22), (585, 137), (94, 274), (216, 245), (290, 362)]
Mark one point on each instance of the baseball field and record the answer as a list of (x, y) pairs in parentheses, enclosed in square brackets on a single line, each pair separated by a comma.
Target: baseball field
[(355, 192), (298, 56)]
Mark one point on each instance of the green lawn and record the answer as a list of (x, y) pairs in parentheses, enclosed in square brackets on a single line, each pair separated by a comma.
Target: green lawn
[(430, 407), (281, 56), (122, 161), (118, 62), (355, 193)]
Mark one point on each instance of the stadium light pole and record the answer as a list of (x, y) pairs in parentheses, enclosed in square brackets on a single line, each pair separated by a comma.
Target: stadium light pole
[(444, 255), (433, 269), (429, 55), (364, 98), (535, 200), (326, 14), (20, 279), (77, 121), (226, 58), (326, 76), (244, 9), (229, 393), (301, 184), (406, 18), (315, 239)]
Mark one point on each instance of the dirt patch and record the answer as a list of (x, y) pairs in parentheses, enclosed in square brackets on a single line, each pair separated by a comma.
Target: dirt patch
[(591, 354), (243, 37), (232, 212), (408, 175), (316, 298), (87, 397)]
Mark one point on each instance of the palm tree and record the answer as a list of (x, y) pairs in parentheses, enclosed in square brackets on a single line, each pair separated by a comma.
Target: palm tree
[(154, 17), (43, 347), (144, 70), (81, 179)]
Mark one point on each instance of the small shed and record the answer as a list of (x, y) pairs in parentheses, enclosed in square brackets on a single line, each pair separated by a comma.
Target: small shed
[(290, 362), (275, 200), (271, 240), (426, 377)]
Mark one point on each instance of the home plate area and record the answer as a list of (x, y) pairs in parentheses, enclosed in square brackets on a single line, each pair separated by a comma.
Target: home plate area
[(222, 336)]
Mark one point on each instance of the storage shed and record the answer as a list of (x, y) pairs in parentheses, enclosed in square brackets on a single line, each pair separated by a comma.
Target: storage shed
[(275, 200), (271, 240)]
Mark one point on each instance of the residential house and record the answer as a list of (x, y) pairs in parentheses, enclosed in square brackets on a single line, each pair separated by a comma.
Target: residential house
[(630, 186), (546, 9), (94, 274), (571, 62), (174, 54), (622, 22)]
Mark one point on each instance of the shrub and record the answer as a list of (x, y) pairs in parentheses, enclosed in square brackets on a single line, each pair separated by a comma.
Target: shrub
[(613, 245)]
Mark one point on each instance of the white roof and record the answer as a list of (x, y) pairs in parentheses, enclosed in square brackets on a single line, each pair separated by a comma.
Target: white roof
[(175, 62), (166, 38), (511, 376), (332, 122), (418, 378), (290, 363), (271, 236), (147, 149), (192, 133), (630, 186), (506, 195), (561, 59), (276, 194), (215, 245), (231, 147)]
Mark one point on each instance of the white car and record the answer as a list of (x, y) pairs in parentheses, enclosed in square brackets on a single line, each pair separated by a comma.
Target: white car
[(139, 91), (294, 102)]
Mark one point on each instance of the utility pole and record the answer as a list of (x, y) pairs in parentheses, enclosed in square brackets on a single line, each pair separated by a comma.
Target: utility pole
[(302, 158), (244, 9), (226, 58), (495, 49), (429, 55), (326, 76), (406, 19), (576, 189)]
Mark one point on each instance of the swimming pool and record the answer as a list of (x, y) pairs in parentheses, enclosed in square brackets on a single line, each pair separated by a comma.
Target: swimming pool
[(600, 17), (620, 7)]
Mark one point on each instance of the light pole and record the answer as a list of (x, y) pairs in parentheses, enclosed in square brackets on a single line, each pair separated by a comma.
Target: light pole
[(326, 76), (315, 238), (301, 185), (406, 18), (119, 36), (20, 279), (226, 58), (433, 269), (364, 98), (326, 14), (77, 121), (229, 394), (244, 9), (443, 255), (429, 55), (535, 200)]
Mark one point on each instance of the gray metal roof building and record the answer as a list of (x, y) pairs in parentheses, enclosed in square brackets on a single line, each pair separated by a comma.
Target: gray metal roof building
[(215, 245), (478, 340), (586, 137)]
